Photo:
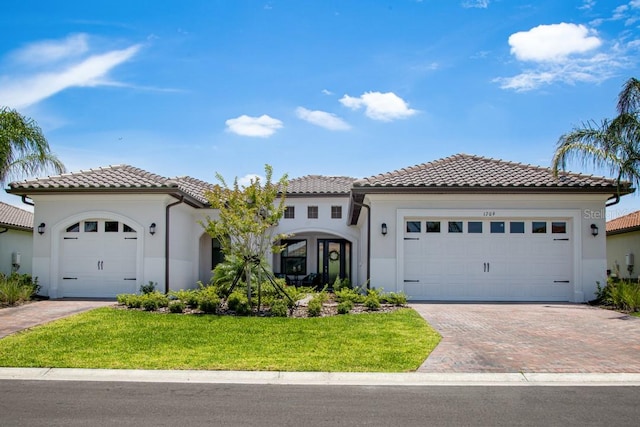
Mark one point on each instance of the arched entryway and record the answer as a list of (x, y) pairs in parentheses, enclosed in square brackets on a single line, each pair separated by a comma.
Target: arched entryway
[(314, 259)]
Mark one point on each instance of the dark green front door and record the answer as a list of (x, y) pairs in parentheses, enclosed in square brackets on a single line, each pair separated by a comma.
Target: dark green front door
[(334, 260)]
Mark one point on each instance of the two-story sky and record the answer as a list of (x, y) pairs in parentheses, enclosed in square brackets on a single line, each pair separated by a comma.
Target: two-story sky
[(340, 87)]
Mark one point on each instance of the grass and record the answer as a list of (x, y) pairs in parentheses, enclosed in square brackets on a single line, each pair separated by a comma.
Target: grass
[(125, 339)]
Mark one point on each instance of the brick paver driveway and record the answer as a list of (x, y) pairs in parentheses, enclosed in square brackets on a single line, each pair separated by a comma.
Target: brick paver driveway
[(14, 319), (531, 338)]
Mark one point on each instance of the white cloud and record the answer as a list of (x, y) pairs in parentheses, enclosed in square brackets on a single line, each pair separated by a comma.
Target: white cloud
[(587, 5), (47, 51), (263, 126), (566, 53), (380, 106), (56, 66), (479, 4), (327, 92), (323, 119), (553, 43), (246, 180)]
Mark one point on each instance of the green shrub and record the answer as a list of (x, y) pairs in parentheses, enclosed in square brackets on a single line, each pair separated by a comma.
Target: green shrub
[(208, 299), (398, 299), (341, 284), (372, 300), (314, 308), (17, 288), (348, 294), (177, 306), (239, 303), (148, 288), (279, 308), (621, 294), (189, 297), (345, 307), (131, 300), (149, 304)]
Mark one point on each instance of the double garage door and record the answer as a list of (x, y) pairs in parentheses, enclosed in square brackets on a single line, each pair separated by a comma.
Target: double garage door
[(98, 259), (510, 259)]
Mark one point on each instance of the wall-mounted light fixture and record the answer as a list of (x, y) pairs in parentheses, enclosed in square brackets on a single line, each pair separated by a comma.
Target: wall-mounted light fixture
[(384, 229), (152, 228), (629, 260), (594, 230), (41, 228)]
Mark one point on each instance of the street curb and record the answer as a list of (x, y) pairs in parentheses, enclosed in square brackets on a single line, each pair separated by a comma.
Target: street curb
[(323, 378)]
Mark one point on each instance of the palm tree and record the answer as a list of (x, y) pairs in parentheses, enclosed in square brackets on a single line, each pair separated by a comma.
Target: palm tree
[(24, 151), (612, 144)]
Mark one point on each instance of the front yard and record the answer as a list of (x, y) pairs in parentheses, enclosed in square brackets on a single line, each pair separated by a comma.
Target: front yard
[(127, 339)]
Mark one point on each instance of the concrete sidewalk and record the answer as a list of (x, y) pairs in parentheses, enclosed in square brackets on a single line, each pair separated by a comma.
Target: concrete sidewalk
[(321, 378)]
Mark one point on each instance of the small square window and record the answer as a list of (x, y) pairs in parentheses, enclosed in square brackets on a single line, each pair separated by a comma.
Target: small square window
[(414, 227), (497, 227), (433, 226), (312, 212), (336, 212), (91, 226), (289, 212), (455, 226), (538, 227), (516, 227), (559, 227), (474, 227), (111, 226)]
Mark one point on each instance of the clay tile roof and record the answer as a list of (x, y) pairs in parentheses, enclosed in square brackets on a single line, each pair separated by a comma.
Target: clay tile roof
[(13, 217), (468, 171), (194, 187), (629, 222), (318, 184), (119, 176), (116, 178)]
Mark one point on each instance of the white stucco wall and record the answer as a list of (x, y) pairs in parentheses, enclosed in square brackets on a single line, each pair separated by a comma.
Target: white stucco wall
[(618, 246), (16, 241), (323, 227), (589, 251), (139, 211)]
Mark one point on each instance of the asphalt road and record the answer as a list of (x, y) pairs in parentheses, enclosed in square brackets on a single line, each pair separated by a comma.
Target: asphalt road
[(68, 403)]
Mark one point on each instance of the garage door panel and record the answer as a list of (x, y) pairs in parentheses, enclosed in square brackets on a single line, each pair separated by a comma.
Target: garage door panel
[(491, 266), (98, 263)]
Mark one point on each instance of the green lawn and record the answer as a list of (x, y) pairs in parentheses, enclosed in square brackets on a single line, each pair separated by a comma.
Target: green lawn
[(124, 339)]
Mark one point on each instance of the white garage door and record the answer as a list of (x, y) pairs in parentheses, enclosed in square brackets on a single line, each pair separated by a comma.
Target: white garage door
[(98, 259), (509, 259)]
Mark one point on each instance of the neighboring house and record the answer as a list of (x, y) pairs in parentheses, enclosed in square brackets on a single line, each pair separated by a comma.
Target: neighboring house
[(623, 245), (460, 228), (16, 239)]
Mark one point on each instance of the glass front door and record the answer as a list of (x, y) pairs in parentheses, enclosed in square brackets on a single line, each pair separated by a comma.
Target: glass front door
[(334, 260)]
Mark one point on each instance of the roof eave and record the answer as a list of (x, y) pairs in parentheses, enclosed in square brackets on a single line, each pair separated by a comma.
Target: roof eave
[(443, 189), (623, 230), (174, 192)]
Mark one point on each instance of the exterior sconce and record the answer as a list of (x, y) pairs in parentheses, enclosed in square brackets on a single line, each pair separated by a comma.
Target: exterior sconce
[(594, 230), (41, 228), (384, 229), (152, 228)]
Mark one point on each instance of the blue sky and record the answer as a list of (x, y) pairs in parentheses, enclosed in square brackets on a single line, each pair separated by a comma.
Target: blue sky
[(313, 87)]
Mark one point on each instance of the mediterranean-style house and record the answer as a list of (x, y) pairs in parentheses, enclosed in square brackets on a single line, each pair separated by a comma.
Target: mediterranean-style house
[(623, 245), (460, 228), (16, 239)]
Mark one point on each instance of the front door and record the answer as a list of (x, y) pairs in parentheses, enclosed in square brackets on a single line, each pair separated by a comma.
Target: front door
[(334, 260)]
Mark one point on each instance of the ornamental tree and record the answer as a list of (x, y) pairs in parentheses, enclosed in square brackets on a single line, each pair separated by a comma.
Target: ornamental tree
[(247, 218)]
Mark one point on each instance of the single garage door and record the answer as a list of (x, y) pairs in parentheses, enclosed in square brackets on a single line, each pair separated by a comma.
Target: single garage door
[(98, 259), (509, 259)]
